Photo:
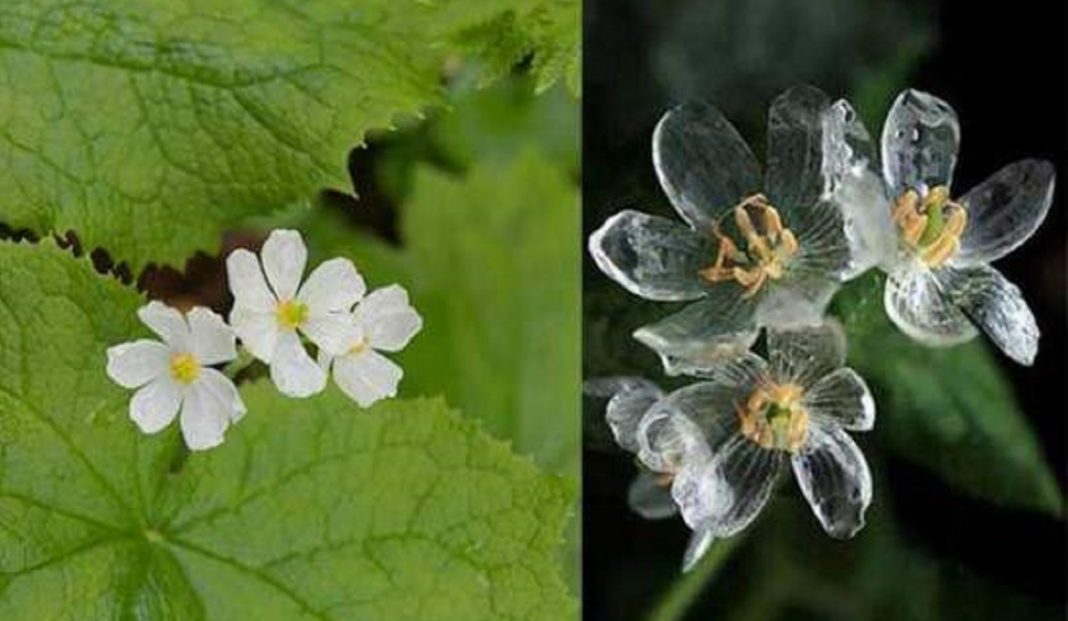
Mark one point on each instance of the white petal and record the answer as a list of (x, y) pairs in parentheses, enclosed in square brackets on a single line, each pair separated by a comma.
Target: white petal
[(284, 256), (915, 302), (155, 405), (222, 390), (367, 377), (246, 281), (995, 305), (705, 333), (834, 478), (652, 257), (333, 286), (211, 339), (168, 323), (206, 413), (700, 541), (388, 321), (650, 497), (293, 371), (628, 400), (1005, 210), (333, 332), (842, 398), (138, 362), (919, 143), (257, 329), (804, 355)]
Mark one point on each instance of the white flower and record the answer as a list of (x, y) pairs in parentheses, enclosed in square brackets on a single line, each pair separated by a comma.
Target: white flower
[(175, 375), (383, 321), (270, 315), (935, 249), (754, 252)]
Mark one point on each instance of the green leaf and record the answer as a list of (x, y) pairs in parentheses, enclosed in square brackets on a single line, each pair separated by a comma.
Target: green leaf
[(148, 128), (312, 509), (949, 409)]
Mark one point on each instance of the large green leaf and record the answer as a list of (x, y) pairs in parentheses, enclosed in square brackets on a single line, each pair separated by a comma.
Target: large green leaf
[(149, 127), (949, 409), (311, 509)]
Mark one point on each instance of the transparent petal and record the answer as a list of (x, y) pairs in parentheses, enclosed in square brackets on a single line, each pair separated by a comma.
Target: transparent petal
[(834, 478), (652, 257), (700, 541), (211, 339), (387, 319), (206, 413), (703, 164), (247, 284), (919, 143), (823, 243), (915, 302), (705, 333), (667, 439), (650, 496), (731, 488), (284, 256), (367, 377), (134, 364), (804, 355), (628, 400), (712, 405), (798, 302), (996, 306), (1005, 210), (155, 404), (795, 149), (293, 371), (334, 285), (842, 398), (333, 332), (168, 323), (258, 330)]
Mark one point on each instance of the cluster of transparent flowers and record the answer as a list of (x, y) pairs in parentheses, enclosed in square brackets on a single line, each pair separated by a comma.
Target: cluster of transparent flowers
[(765, 256), (272, 312)]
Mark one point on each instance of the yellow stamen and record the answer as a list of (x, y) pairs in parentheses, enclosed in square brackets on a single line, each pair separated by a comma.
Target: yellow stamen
[(932, 226), (360, 346), (767, 251), (291, 314), (184, 368), (773, 417)]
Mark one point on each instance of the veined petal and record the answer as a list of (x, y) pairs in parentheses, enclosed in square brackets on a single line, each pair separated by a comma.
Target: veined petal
[(650, 496), (712, 406), (795, 149), (919, 143), (705, 333), (628, 400), (155, 405), (388, 321), (795, 303), (667, 439), (652, 257), (211, 339), (700, 541), (333, 332), (823, 244), (834, 478), (367, 377), (247, 284), (703, 164), (842, 398), (333, 286), (223, 391), (136, 363), (168, 323), (804, 355), (1005, 210), (257, 329), (915, 302), (206, 413), (284, 256), (293, 371), (995, 305)]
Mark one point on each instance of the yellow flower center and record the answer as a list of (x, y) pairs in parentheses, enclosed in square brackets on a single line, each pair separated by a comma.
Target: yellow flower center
[(774, 418), (767, 251), (184, 368), (932, 225), (358, 347), (291, 313)]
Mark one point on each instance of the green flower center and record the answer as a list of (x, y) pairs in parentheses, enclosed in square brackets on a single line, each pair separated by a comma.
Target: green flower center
[(184, 368), (291, 314)]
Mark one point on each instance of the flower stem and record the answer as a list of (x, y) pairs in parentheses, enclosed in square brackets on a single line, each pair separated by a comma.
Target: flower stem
[(681, 596)]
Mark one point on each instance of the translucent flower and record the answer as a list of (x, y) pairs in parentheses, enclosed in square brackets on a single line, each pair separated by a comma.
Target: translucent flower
[(936, 249), (270, 315), (176, 375), (753, 252), (755, 415), (383, 321)]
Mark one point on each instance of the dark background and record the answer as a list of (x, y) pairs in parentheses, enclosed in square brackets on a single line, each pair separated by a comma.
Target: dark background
[(929, 551)]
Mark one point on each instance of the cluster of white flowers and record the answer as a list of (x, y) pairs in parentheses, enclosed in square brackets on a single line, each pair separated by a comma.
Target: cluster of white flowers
[(766, 256), (272, 312)]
